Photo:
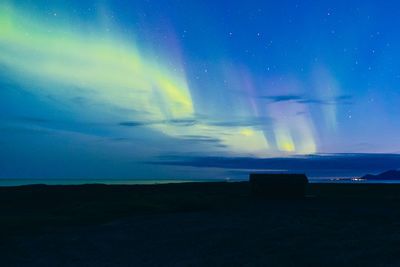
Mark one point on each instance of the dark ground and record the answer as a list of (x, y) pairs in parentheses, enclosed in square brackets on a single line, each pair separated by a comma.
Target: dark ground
[(196, 224)]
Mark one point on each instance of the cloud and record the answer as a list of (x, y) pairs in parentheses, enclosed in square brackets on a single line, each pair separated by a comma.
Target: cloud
[(311, 163), (177, 122), (242, 122), (343, 99), (281, 98), (201, 139), (133, 123), (238, 122), (182, 122)]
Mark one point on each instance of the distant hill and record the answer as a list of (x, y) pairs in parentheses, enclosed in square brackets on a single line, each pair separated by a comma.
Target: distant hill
[(388, 175)]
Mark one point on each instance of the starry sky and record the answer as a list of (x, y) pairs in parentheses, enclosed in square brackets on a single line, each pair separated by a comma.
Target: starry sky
[(198, 89)]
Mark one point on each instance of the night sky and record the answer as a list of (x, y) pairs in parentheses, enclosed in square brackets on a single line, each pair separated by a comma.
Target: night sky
[(198, 89)]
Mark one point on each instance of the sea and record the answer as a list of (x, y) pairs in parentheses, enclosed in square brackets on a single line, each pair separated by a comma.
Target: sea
[(20, 182)]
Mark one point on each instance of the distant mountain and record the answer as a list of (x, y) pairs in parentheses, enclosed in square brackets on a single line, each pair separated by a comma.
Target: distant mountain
[(389, 175)]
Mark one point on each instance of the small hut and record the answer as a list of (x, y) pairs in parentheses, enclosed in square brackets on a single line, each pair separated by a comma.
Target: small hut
[(278, 186)]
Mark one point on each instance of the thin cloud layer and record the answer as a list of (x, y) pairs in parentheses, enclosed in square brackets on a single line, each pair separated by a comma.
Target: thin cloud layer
[(317, 165)]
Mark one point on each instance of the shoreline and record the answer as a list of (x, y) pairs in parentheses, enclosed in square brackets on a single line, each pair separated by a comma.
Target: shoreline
[(66, 182)]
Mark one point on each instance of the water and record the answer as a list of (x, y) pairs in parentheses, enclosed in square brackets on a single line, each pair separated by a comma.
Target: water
[(19, 182), (351, 181)]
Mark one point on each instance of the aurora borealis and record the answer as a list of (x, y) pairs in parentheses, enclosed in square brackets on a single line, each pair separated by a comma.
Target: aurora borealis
[(103, 88)]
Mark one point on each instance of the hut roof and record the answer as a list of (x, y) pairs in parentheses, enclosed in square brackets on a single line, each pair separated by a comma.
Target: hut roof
[(279, 178)]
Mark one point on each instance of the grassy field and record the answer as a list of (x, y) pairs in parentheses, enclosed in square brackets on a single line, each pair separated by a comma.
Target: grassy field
[(198, 224)]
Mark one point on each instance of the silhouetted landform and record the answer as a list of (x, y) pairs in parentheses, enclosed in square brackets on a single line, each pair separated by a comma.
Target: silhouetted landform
[(388, 175), (198, 224), (278, 186)]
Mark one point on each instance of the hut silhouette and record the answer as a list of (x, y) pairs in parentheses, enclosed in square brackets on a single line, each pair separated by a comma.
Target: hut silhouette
[(278, 186)]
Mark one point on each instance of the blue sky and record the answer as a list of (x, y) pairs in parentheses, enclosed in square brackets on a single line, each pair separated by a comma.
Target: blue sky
[(142, 89)]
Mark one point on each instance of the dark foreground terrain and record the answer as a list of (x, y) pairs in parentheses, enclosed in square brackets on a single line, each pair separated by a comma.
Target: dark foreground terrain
[(197, 224)]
